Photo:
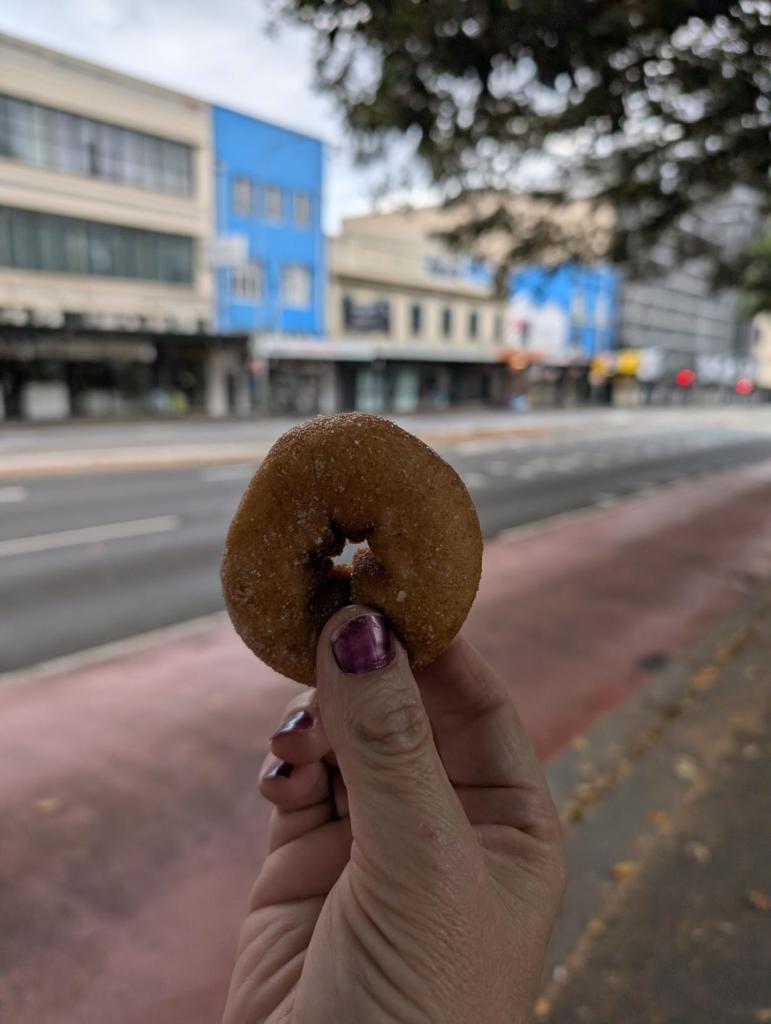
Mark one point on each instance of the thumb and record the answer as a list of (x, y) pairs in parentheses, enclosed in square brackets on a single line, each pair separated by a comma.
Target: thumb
[(403, 809)]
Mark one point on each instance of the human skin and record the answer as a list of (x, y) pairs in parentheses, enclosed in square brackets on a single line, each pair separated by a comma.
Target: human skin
[(415, 859)]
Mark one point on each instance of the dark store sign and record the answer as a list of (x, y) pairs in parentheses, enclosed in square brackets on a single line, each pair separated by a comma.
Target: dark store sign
[(78, 350), (370, 316)]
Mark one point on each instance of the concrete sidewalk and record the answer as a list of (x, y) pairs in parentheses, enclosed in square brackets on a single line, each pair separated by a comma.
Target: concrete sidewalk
[(76, 447), (668, 804), (130, 826)]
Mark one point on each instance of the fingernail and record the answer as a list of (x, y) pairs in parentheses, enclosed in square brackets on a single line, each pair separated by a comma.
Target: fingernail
[(297, 722), (280, 770), (363, 644)]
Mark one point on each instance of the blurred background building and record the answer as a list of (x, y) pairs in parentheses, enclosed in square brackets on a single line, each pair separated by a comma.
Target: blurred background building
[(410, 326), (159, 254), (105, 207)]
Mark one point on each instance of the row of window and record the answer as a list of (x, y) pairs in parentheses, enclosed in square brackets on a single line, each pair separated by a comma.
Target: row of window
[(377, 317), (66, 245), (267, 202), (60, 141), (247, 284)]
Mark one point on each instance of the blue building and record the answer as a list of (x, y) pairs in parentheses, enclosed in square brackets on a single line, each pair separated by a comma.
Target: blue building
[(268, 191), (567, 314)]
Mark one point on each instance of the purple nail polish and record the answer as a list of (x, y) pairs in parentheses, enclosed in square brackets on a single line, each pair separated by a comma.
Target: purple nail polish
[(297, 722), (363, 645), (280, 770)]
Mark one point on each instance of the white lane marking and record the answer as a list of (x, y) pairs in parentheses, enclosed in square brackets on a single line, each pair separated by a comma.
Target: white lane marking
[(87, 535), (604, 499), (567, 463), (472, 447), (9, 494), (475, 479), (214, 474)]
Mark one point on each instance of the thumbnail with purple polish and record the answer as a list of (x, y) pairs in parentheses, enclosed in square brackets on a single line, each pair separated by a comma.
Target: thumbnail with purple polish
[(300, 721), (280, 770), (363, 645)]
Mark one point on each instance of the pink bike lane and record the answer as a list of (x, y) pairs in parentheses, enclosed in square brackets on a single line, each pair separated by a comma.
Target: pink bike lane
[(131, 827)]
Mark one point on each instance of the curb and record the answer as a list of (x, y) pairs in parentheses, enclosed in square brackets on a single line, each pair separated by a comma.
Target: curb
[(190, 456)]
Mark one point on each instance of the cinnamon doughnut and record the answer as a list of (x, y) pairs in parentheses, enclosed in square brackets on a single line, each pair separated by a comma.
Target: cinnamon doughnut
[(357, 477)]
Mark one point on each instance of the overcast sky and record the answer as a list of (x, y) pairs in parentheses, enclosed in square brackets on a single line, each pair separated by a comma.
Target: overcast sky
[(215, 49)]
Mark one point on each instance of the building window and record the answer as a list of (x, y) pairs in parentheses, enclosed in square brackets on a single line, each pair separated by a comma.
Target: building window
[(65, 245), (272, 198), (498, 328), (301, 209), (447, 322), (59, 141), (602, 312), (243, 197), (578, 308), (416, 319), (247, 282), (296, 286), (473, 324)]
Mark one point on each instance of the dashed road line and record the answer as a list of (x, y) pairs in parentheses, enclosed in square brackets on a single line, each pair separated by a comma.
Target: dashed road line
[(475, 480), (217, 474), (11, 494), (87, 535)]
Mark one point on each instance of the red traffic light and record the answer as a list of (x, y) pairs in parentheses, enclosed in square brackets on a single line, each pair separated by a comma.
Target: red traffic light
[(684, 378), (744, 386)]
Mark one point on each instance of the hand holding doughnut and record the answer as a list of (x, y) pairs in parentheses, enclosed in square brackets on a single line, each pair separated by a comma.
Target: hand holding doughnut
[(352, 477)]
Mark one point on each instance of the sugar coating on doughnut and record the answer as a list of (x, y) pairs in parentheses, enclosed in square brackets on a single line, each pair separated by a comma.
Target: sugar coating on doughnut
[(356, 477)]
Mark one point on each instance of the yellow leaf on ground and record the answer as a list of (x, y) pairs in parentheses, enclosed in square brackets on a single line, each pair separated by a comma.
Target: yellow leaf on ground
[(686, 768), (705, 677), (625, 869), (698, 851), (659, 819), (542, 1008), (48, 805), (758, 900)]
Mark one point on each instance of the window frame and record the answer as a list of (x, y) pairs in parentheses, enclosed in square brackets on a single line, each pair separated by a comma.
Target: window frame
[(236, 279), (52, 244), (286, 298), (64, 141), (473, 324), (416, 319), (302, 196), (269, 193), (446, 322), (242, 183)]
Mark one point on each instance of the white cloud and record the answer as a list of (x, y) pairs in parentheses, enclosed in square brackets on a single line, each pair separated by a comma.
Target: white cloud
[(217, 50)]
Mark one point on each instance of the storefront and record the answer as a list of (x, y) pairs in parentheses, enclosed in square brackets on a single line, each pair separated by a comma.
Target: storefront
[(57, 374), (303, 377)]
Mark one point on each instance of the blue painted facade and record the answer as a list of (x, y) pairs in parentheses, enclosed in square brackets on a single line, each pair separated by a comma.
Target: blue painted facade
[(588, 297), (269, 157)]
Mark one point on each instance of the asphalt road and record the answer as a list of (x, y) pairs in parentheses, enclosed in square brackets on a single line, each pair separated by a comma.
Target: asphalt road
[(91, 559)]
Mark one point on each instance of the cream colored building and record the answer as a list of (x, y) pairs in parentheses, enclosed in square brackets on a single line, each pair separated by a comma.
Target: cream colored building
[(42, 176), (432, 297), (105, 214), (410, 324)]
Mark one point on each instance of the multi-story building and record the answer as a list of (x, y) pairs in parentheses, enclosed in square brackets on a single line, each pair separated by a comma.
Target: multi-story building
[(678, 316), (410, 325), (105, 214), (268, 195)]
